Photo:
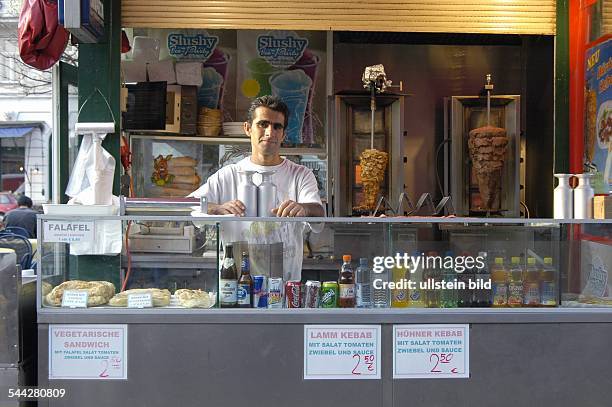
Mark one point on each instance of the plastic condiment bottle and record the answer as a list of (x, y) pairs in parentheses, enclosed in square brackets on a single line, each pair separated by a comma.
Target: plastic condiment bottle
[(266, 195), (247, 193), (531, 284), (499, 283), (515, 283)]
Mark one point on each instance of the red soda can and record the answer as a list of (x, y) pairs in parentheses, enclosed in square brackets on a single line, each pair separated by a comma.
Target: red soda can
[(293, 294)]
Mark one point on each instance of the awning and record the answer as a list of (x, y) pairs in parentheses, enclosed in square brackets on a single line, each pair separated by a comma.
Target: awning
[(8, 132)]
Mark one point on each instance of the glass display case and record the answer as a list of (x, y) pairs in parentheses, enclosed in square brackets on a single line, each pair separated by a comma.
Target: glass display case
[(405, 263), (174, 166)]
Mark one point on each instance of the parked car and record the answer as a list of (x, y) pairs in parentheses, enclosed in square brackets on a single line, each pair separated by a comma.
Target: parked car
[(12, 182), (7, 202)]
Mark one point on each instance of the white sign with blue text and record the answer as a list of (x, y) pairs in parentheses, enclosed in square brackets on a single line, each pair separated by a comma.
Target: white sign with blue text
[(64, 231), (431, 351), (341, 352)]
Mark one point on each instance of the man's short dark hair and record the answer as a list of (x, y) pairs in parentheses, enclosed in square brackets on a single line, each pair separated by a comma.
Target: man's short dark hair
[(271, 102), (24, 201)]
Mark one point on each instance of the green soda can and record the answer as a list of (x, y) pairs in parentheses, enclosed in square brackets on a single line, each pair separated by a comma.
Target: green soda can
[(329, 294)]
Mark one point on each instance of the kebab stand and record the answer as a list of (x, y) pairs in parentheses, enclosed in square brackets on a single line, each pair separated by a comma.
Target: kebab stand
[(166, 341)]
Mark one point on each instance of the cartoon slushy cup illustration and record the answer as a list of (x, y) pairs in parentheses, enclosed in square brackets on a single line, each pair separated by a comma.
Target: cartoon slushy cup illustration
[(293, 88), (308, 63), (219, 61), (209, 94), (260, 71)]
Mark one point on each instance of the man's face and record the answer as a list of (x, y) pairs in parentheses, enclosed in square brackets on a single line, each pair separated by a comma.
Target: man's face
[(267, 131)]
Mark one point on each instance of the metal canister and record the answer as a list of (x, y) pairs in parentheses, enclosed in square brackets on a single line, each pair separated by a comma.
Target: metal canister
[(266, 194), (203, 205), (260, 294), (275, 292), (247, 192), (311, 294), (329, 294), (293, 294)]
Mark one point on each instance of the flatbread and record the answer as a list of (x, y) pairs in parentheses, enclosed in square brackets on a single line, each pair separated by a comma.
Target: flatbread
[(160, 298), (193, 298), (98, 292)]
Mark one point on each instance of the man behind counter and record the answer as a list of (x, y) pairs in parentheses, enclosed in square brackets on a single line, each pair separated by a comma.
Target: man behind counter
[(296, 185)]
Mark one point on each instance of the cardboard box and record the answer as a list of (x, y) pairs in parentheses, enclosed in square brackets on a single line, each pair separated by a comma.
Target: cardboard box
[(602, 207)]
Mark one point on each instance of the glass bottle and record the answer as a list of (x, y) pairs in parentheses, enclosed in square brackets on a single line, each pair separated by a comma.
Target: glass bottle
[(245, 284), (228, 282), (346, 284), (363, 284)]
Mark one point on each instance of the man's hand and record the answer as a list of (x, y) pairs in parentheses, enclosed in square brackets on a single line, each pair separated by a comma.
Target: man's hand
[(235, 207), (290, 208)]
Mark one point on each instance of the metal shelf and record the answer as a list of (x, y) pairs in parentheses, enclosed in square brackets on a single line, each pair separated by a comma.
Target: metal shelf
[(226, 141)]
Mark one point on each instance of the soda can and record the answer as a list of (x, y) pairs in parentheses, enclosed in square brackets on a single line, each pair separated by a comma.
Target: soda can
[(275, 292), (311, 294), (260, 293), (293, 294), (329, 294)]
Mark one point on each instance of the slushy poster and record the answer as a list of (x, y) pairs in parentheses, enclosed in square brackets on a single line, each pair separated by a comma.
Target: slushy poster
[(199, 45), (598, 111), (285, 64)]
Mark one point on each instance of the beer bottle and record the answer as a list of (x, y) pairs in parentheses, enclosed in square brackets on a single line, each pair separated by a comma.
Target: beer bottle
[(346, 283), (229, 279), (245, 284)]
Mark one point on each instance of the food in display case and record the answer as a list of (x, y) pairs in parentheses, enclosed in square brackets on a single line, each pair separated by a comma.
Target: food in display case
[(160, 297), (373, 165), (174, 176), (194, 298), (487, 146), (98, 292)]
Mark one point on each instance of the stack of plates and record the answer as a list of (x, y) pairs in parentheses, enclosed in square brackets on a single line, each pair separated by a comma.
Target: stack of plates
[(209, 122), (233, 129)]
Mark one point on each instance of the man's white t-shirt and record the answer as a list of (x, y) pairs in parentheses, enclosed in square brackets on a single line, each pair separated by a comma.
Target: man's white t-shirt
[(293, 182)]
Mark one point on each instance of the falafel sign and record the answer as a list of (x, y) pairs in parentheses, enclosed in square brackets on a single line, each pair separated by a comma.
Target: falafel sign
[(60, 231), (341, 352)]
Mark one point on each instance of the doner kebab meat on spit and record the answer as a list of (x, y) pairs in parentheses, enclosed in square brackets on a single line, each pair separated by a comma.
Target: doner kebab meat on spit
[(487, 147), (373, 166)]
